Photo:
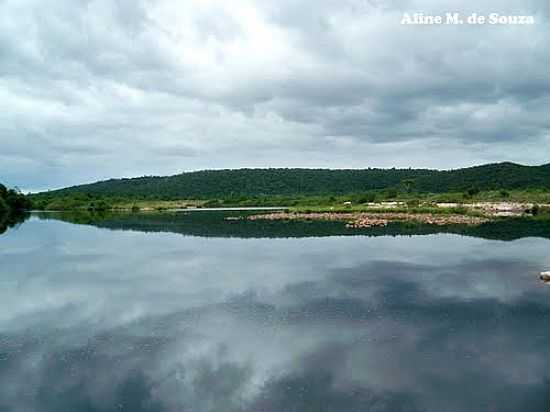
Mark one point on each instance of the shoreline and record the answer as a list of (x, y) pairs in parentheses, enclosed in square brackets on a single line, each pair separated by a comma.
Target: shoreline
[(354, 215)]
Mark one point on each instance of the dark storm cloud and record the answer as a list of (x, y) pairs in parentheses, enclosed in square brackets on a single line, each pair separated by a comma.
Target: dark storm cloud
[(93, 89)]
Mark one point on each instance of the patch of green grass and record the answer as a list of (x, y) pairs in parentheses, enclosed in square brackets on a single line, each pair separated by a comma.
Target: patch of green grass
[(334, 203), (366, 209)]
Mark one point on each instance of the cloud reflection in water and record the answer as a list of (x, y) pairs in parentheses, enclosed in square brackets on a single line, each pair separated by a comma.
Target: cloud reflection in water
[(94, 320)]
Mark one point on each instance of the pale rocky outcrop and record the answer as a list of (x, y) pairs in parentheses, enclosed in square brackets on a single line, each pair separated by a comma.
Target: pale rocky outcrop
[(366, 220)]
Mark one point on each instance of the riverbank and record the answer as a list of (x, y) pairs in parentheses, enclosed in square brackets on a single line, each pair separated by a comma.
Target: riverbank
[(407, 204), (444, 213), (483, 209), (501, 200)]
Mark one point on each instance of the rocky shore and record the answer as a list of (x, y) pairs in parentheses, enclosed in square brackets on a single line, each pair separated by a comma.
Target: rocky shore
[(504, 209), (366, 220)]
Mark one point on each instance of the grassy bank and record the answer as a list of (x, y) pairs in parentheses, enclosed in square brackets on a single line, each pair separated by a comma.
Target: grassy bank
[(380, 209), (101, 203), (372, 201)]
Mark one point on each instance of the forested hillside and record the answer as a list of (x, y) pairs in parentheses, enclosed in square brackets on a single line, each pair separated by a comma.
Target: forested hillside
[(487, 177), (299, 182)]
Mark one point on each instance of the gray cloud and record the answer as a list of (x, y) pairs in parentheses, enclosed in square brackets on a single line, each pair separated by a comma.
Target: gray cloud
[(95, 89)]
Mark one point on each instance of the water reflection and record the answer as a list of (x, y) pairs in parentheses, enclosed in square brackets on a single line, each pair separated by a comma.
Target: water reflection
[(11, 220), (216, 224), (97, 320)]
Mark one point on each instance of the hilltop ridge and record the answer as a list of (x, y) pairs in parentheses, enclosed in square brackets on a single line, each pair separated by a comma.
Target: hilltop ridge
[(296, 181)]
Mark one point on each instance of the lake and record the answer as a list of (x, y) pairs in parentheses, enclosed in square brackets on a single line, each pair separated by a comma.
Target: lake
[(190, 312)]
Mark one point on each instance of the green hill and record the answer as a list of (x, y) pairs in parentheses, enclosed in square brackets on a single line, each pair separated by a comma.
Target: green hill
[(487, 177), (210, 184)]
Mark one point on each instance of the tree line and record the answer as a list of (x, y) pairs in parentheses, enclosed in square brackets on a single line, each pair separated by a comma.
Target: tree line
[(247, 183), (13, 201), (13, 205)]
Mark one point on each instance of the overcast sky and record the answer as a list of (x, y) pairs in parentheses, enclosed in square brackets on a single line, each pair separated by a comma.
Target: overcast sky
[(95, 89)]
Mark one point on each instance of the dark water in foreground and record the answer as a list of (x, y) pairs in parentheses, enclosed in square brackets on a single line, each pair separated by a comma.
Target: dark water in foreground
[(173, 314)]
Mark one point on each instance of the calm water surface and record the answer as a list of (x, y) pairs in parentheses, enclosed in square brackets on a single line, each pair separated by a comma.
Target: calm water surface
[(94, 319)]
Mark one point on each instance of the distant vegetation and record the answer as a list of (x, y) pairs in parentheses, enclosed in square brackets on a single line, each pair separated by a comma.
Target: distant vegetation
[(13, 205), (303, 187)]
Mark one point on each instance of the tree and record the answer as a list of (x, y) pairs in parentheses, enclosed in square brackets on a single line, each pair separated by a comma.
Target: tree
[(408, 184), (391, 194), (471, 192), (13, 200), (366, 198)]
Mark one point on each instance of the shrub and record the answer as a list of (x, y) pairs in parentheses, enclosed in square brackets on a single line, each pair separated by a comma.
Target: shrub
[(472, 191), (391, 194), (366, 198), (99, 206)]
